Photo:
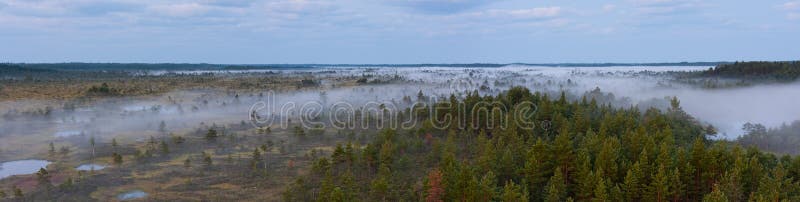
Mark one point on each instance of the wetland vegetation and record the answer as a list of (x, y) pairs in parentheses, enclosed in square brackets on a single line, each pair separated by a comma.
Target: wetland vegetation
[(472, 132)]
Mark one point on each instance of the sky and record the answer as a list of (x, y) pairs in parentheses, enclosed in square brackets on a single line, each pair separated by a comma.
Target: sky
[(397, 31)]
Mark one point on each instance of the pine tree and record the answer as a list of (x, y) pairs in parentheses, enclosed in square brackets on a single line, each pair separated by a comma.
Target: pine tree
[(514, 192), (116, 158), (659, 186), (486, 187), (697, 159), (256, 158), (601, 191), (187, 163), (162, 127), (211, 135), (207, 159), (91, 142), (773, 187), (633, 184), (43, 177), (164, 147), (52, 150), (381, 186), (677, 189), (338, 195), (326, 188), (752, 175), (585, 178), (563, 154), (607, 158), (556, 189), (715, 196)]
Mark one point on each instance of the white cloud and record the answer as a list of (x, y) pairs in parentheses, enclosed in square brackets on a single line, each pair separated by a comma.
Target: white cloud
[(792, 8), (609, 7), (532, 13), (666, 7), (513, 14), (792, 5), (180, 10), (439, 6)]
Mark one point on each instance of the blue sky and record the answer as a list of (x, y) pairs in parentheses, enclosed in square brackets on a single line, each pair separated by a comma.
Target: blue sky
[(398, 31)]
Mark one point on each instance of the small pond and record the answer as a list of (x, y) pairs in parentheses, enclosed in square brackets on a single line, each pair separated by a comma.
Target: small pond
[(88, 167), (135, 194), (21, 167), (68, 133)]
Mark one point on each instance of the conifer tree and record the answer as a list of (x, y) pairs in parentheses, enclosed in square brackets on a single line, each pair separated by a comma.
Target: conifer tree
[(715, 196), (514, 192), (633, 184), (556, 189)]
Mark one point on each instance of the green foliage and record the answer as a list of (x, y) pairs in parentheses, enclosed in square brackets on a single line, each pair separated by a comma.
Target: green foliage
[(589, 152), (556, 190), (164, 147), (207, 160), (211, 135), (715, 196), (43, 177), (116, 158), (103, 90), (17, 192), (783, 139), (779, 71)]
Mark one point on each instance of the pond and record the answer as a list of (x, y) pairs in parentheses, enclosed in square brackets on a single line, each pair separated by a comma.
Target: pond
[(21, 167), (88, 167), (135, 194), (68, 133)]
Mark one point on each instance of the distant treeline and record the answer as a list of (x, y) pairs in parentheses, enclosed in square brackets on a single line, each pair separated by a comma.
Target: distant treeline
[(768, 71), (77, 66), (783, 140)]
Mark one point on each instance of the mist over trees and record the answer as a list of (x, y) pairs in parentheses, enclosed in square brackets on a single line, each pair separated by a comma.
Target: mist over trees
[(614, 134), (782, 140), (588, 152)]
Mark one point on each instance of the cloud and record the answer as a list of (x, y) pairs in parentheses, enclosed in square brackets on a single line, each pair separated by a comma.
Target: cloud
[(792, 5), (180, 10), (231, 3), (440, 6), (792, 8), (667, 7), (663, 14), (533, 13), (99, 8), (609, 7), (242, 15)]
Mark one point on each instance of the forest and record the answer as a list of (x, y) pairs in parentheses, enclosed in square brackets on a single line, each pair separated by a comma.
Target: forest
[(783, 139), (742, 74), (591, 152), (776, 71)]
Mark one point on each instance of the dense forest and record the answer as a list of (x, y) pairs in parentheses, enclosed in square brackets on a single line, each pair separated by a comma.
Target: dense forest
[(586, 152), (783, 139), (771, 71)]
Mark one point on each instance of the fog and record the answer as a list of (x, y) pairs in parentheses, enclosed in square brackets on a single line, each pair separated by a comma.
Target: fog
[(137, 118)]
